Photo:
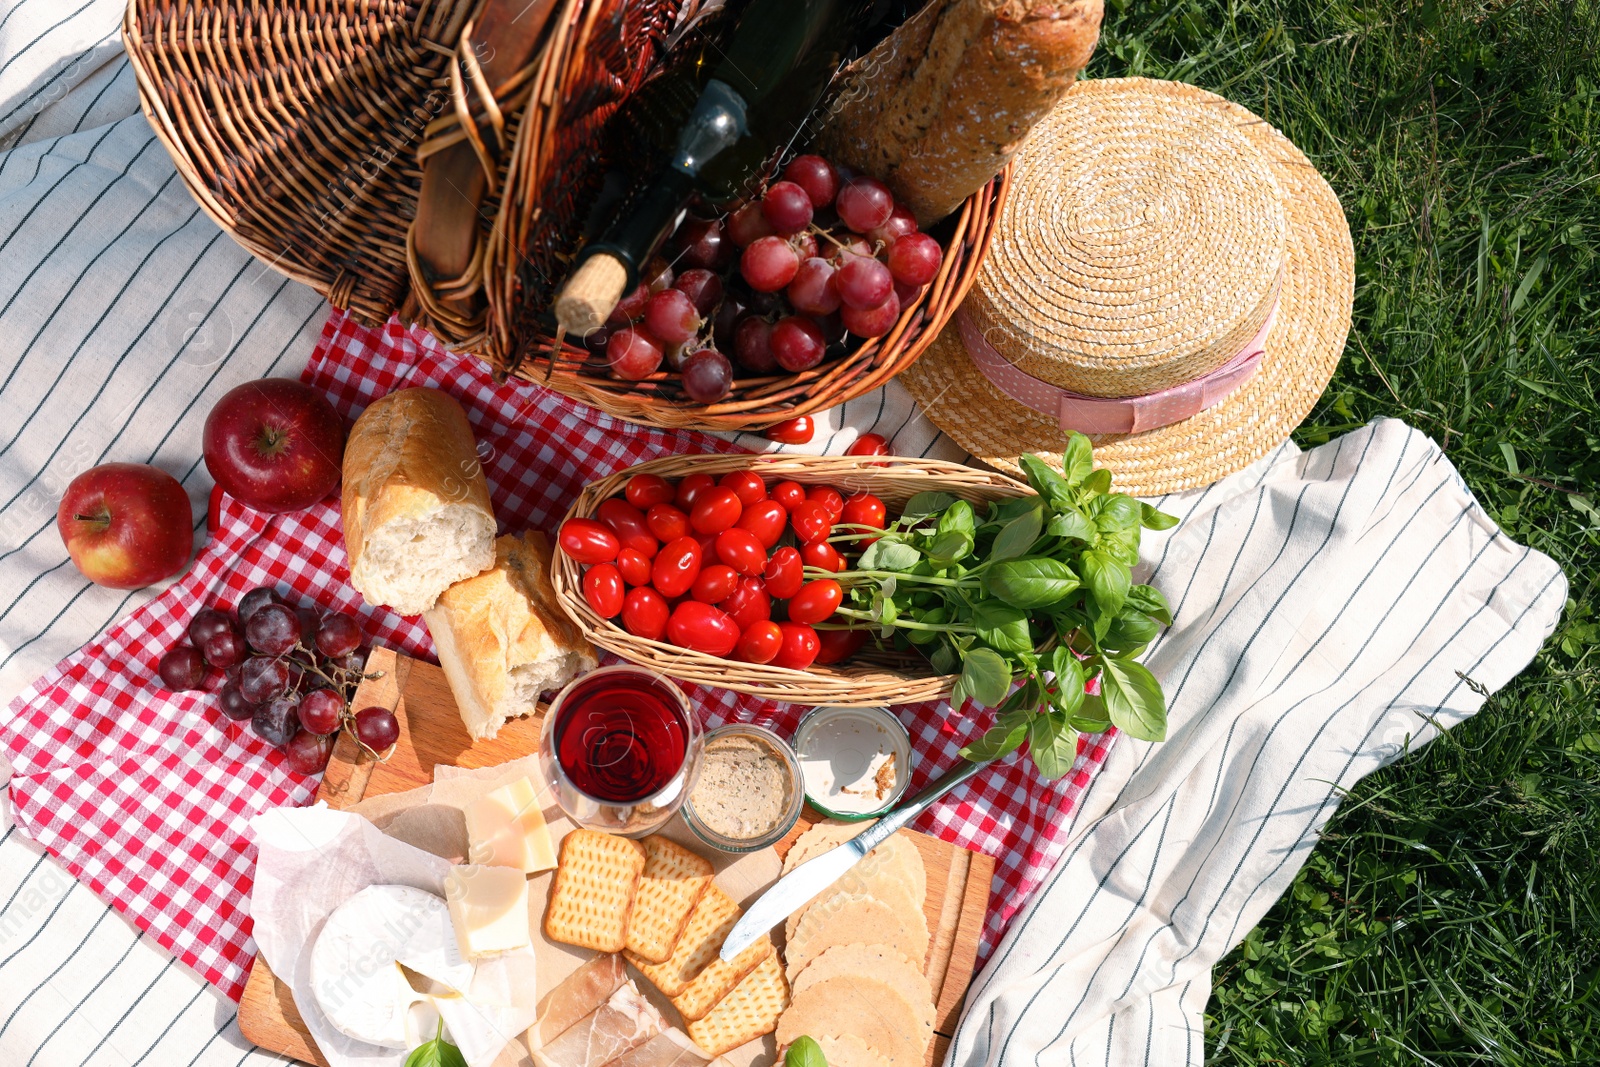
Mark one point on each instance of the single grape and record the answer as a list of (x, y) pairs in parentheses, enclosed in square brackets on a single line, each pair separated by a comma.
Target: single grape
[(832, 328), (812, 290), (634, 355), (815, 175), (726, 319), (182, 668), (352, 666), (308, 754), (864, 204), (804, 245), (233, 703), (863, 283), (671, 317), (657, 274), (873, 322), (907, 293), (915, 259), (224, 650), (767, 305), (748, 225), (320, 711), (263, 677), (273, 629), (707, 376), (340, 635), (856, 247), (276, 722), (897, 225), (377, 729), (678, 355), (207, 622), (752, 345), (797, 343), (702, 287), (701, 244), (310, 621), (787, 207), (630, 309), (254, 600), (769, 264)]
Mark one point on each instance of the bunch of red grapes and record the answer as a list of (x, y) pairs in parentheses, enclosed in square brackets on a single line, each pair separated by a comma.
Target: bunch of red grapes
[(726, 567), (774, 285), (289, 670)]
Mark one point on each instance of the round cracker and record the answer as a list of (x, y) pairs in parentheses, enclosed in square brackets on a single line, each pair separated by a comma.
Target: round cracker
[(848, 1050), (857, 919), (872, 1010), (886, 881), (882, 962), (820, 838)]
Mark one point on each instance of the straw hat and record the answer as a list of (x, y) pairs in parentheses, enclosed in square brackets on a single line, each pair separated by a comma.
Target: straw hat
[(1169, 275)]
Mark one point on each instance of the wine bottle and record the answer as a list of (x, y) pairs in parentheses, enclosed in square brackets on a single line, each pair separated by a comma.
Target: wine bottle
[(707, 124)]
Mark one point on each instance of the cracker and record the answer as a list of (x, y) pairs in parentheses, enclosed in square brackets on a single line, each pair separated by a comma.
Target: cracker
[(719, 977), (699, 944), (857, 919), (674, 879), (891, 872), (820, 838), (881, 962), (848, 1050), (872, 1010), (750, 1010), (592, 895)]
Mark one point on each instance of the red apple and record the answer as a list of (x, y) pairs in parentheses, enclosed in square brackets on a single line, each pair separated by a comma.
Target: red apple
[(126, 525), (274, 444)]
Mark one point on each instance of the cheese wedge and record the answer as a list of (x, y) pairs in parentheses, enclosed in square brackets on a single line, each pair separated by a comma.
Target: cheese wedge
[(489, 907), (506, 828)]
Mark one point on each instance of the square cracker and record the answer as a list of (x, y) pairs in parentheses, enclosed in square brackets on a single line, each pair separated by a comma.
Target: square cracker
[(750, 1010), (592, 896), (718, 978), (699, 944), (674, 879)]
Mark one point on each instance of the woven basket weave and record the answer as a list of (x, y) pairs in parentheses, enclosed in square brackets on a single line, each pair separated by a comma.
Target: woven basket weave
[(871, 676), (299, 125)]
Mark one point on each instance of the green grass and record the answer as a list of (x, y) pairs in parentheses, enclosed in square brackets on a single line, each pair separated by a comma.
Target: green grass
[(1451, 914)]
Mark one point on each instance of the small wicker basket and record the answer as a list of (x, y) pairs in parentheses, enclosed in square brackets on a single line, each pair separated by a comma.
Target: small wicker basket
[(871, 676)]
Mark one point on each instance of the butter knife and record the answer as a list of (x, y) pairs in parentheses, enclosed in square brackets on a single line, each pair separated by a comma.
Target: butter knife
[(797, 887)]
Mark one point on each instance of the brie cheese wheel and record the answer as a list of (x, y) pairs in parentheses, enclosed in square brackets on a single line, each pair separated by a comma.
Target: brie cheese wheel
[(356, 960)]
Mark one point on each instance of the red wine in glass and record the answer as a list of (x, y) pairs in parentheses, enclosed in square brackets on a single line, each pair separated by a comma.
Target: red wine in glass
[(620, 737)]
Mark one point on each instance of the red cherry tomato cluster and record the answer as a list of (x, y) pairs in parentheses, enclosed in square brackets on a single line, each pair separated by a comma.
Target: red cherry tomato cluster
[(718, 565)]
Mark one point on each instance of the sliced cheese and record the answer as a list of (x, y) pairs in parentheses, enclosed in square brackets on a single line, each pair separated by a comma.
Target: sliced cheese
[(489, 907), (506, 828)]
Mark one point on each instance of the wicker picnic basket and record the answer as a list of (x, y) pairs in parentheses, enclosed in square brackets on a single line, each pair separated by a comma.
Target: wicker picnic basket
[(300, 127), (871, 676)]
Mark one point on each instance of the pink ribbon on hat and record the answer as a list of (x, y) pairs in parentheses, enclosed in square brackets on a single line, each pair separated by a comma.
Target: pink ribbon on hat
[(1100, 414)]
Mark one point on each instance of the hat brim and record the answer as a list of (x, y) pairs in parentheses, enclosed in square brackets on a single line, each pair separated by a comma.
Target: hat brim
[(1302, 351)]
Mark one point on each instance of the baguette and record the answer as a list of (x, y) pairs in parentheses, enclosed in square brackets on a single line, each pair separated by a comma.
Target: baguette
[(943, 103), (502, 639), (417, 516)]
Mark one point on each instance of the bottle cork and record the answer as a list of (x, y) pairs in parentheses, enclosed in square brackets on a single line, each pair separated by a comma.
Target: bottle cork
[(589, 296)]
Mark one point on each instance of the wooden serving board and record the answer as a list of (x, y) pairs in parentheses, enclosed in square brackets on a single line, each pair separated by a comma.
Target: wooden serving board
[(431, 734)]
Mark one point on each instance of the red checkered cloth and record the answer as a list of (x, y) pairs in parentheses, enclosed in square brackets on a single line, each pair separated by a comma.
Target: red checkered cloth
[(146, 795)]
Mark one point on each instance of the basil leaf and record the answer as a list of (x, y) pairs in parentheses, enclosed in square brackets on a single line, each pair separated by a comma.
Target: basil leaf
[(886, 555), (959, 694), (958, 518), (1003, 511), (1068, 695), (944, 661), (1018, 535), (985, 676), (1071, 523), (1030, 582), (1091, 718), (950, 546), (804, 1052), (436, 1053), (1133, 699), (1098, 482), (926, 504), (1108, 579), (1002, 627), (1053, 744), (1129, 631), (1117, 512), (1148, 599), (1001, 739), (1156, 520), (1077, 459), (1045, 479)]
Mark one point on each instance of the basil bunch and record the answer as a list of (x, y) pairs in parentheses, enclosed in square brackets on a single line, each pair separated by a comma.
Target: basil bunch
[(1037, 589)]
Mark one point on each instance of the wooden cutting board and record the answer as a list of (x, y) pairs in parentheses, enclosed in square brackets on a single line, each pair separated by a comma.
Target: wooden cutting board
[(431, 734)]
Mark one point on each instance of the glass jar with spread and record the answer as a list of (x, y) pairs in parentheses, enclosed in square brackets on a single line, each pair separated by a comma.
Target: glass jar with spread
[(749, 791), (855, 762)]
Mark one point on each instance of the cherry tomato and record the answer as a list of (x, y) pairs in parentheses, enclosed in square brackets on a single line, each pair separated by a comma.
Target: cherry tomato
[(627, 522), (588, 541), (742, 550), (839, 644), (785, 573), (715, 583), (810, 521), (645, 491), (716, 509), (645, 613), (690, 488), (864, 509), (708, 546), (603, 589), (702, 628), (815, 601), (748, 486), (760, 642), (676, 567), (766, 519), (795, 431), (634, 566), (868, 444), (790, 494), (749, 603), (214, 510), (821, 554), (666, 522), (800, 646), (828, 497)]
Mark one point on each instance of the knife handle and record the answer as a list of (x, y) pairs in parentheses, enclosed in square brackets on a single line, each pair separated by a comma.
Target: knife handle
[(880, 830)]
